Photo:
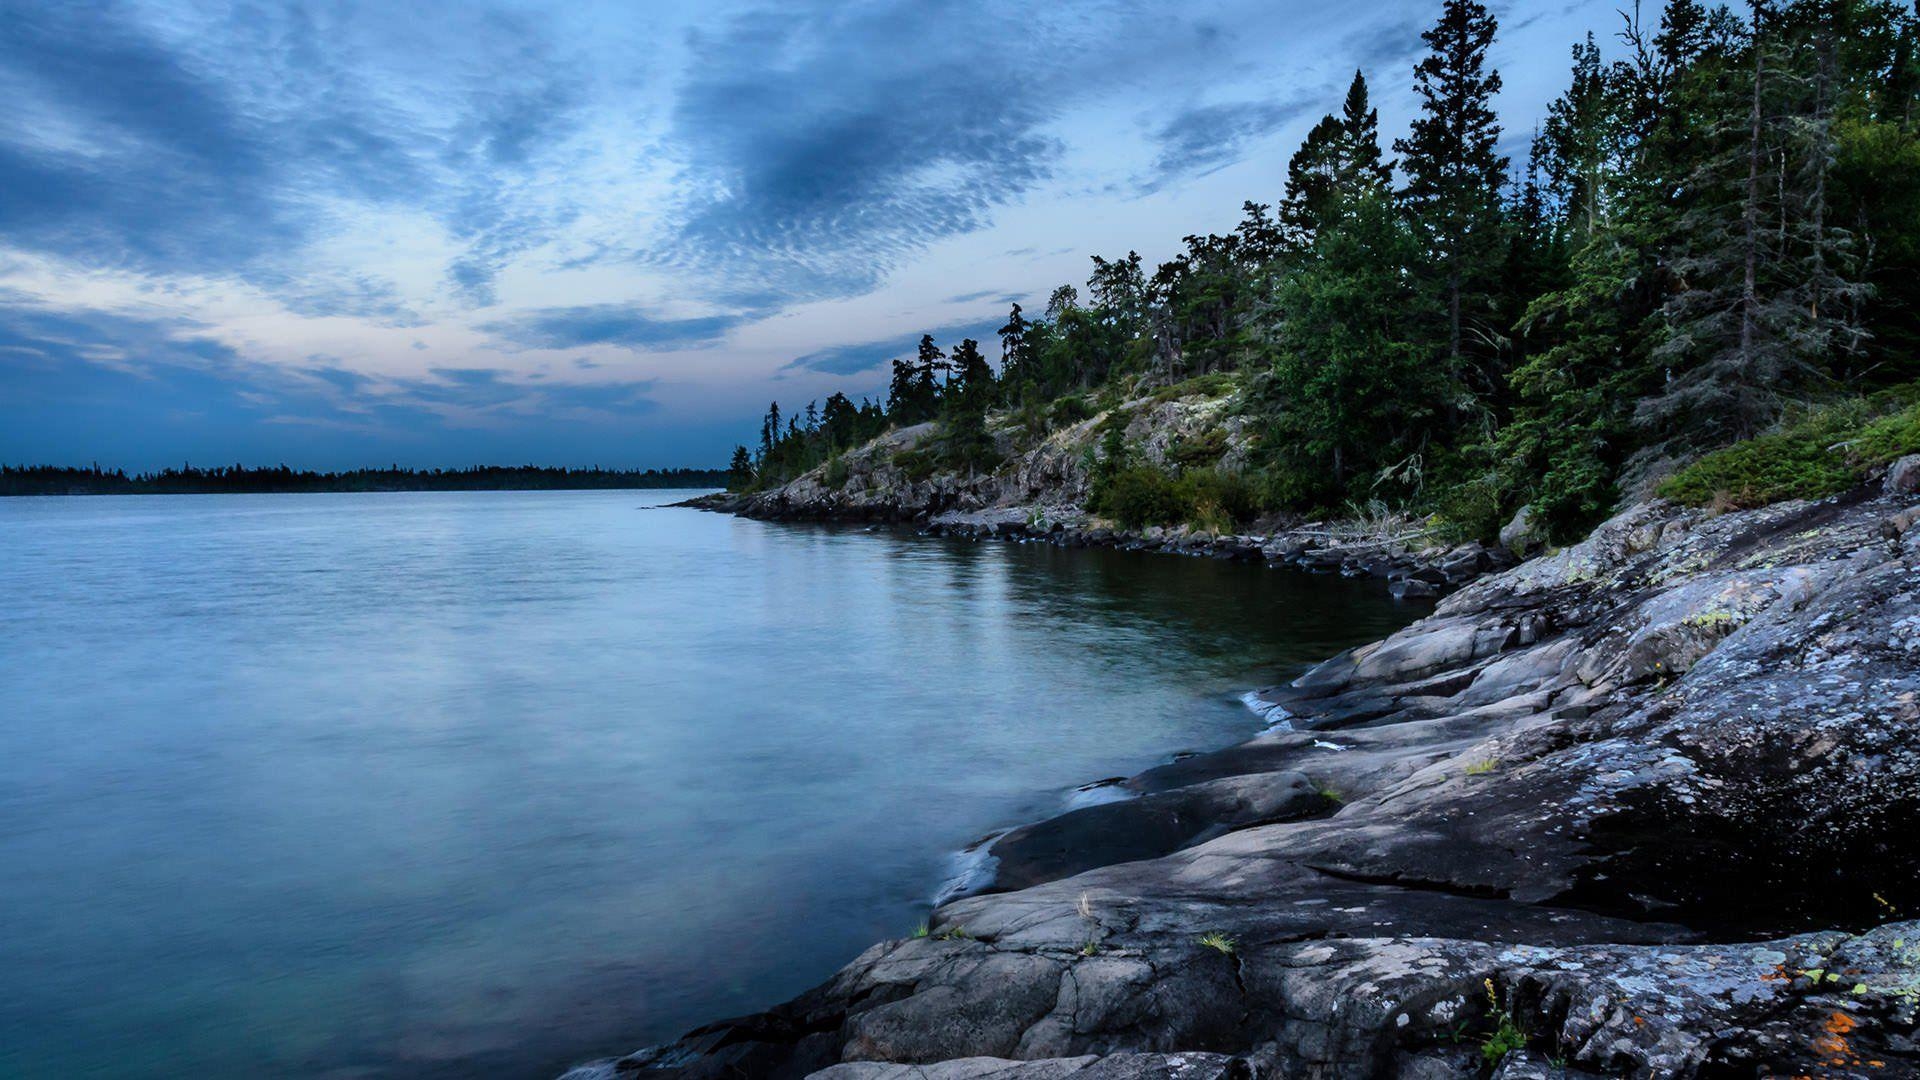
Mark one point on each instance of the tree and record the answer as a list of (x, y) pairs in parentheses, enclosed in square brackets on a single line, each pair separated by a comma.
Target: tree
[(1016, 363), (1454, 170), (1339, 159), (740, 470), (968, 443), (1349, 393), (1768, 290)]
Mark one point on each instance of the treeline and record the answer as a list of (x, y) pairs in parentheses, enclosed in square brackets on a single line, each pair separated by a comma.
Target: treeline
[(1710, 232), (234, 479)]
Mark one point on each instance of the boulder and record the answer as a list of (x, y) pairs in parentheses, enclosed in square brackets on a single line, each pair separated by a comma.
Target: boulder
[(1520, 535), (1903, 476)]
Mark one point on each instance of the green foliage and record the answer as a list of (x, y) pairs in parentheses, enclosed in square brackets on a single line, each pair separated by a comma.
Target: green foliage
[(918, 464), (835, 476), (1137, 496), (1219, 942), (1506, 1036), (1349, 392), (1212, 384), (1821, 453), (1069, 410), (1201, 451)]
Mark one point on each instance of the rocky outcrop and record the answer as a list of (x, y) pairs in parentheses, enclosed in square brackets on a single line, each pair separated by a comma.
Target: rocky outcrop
[(1641, 807)]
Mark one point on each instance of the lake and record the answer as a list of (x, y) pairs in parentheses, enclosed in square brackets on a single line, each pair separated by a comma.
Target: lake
[(450, 784)]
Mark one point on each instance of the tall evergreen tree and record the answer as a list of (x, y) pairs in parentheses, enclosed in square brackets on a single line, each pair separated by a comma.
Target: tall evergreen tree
[(1340, 158), (1015, 362), (1455, 172)]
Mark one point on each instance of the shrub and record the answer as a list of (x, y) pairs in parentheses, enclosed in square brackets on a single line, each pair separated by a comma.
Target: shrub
[(917, 464), (1139, 495), (1069, 410), (1213, 384), (1201, 451), (1217, 501), (836, 475), (1218, 942)]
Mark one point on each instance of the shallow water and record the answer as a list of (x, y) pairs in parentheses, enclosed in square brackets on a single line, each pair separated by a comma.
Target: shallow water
[(451, 783)]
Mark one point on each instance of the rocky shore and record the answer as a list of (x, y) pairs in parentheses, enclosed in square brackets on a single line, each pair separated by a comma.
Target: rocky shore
[(1645, 806), (1412, 566)]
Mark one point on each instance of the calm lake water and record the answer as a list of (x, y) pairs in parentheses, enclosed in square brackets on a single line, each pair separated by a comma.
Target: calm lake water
[(464, 784)]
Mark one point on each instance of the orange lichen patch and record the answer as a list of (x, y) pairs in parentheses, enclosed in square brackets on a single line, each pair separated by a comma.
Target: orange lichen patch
[(1640, 1020), (1833, 1045), (1778, 974)]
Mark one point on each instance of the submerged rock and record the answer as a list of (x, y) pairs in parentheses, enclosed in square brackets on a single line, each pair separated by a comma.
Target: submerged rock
[(1641, 807)]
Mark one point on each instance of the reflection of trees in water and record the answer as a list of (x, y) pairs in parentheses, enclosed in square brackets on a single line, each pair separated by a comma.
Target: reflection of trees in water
[(1119, 601)]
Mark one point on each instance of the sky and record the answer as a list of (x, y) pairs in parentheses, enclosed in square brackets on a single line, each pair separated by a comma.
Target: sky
[(573, 233)]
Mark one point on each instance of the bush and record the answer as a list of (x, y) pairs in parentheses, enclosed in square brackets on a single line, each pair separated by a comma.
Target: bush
[(1138, 496), (1069, 410), (917, 464), (1202, 451), (836, 474), (1214, 384), (1785, 465)]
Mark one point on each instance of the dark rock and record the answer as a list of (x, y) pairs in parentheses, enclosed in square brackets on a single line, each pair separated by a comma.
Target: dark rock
[(1620, 792), (1412, 588)]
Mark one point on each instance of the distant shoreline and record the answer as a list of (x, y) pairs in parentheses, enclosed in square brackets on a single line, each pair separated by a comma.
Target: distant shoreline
[(281, 480)]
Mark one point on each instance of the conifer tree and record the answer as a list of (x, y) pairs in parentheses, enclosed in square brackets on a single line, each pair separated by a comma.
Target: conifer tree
[(1454, 170), (1340, 158)]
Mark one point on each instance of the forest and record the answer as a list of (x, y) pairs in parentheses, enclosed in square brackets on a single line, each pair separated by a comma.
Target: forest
[(236, 479), (1702, 281)]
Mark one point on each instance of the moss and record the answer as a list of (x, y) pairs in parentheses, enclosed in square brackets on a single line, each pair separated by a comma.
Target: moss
[(1216, 384), (1719, 621), (1822, 452)]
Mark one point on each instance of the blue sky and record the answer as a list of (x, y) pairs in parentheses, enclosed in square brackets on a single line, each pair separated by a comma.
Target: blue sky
[(332, 234)]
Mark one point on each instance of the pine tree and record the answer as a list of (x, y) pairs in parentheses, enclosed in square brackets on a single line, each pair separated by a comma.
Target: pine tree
[(1768, 293), (1454, 170), (1015, 362), (1339, 159), (740, 470), (1349, 393)]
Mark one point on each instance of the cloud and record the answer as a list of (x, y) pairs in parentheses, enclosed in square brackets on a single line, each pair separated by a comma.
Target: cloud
[(610, 324), (228, 144), (89, 385), (865, 356), (822, 149), (1205, 138)]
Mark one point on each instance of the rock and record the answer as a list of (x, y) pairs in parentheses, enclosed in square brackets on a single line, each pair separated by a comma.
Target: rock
[(1897, 525), (1412, 589), (1520, 536), (1626, 789), (1903, 476), (1197, 1066)]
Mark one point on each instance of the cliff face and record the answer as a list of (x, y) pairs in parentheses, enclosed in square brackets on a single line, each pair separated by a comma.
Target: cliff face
[(1641, 807)]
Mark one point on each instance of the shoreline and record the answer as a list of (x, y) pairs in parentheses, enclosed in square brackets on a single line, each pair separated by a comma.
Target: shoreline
[(1412, 571), (1633, 798)]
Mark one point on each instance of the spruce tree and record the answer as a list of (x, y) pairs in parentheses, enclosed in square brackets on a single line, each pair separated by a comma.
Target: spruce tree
[(1340, 158), (1455, 172)]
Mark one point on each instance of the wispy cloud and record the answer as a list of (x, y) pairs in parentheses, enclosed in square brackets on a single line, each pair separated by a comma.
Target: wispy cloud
[(610, 324)]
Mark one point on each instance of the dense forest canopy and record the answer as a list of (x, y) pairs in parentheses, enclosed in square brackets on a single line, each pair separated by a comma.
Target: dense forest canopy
[(1714, 236), (59, 480)]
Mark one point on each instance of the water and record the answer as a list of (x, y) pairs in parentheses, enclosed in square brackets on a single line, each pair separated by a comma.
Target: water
[(461, 784)]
